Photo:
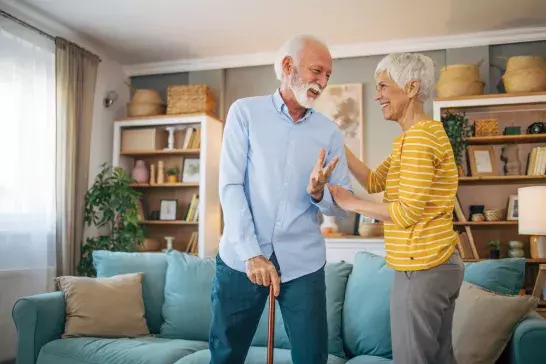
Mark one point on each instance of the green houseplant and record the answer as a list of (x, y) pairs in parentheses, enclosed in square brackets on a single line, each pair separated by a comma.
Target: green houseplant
[(111, 206), (458, 129)]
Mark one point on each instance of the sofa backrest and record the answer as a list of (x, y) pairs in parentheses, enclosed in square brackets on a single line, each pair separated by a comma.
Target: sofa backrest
[(177, 288)]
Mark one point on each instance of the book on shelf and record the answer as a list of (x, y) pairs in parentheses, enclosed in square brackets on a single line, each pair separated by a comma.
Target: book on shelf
[(536, 162), (192, 138), (192, 212), (192, 244)]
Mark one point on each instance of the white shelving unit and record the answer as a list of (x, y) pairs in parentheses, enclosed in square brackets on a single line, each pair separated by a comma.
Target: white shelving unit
[(209, 223)]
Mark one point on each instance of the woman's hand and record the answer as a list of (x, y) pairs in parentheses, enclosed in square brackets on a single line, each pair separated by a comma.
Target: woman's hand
[(342, 197)]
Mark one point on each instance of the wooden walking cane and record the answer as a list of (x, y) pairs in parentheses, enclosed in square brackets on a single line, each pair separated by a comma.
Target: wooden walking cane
[(271, 328)]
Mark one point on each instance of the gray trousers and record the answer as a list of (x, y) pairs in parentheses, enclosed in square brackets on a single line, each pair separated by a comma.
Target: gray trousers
[(422, 307)]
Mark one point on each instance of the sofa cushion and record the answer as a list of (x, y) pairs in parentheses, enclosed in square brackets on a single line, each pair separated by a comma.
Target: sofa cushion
[(498, 275), (336, 275), (105, 306), (145, 350), (484, 322), (369, 359), (188, 285), (154, 267), (366, 316), (256, 355)]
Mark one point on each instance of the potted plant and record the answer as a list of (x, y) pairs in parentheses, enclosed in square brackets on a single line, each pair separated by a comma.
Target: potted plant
[(172, 175), (458, 129), (111, 206), (494, 249)]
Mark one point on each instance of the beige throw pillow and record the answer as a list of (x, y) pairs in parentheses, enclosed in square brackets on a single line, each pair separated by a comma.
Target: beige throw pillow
[(483, 323), (104, 307)]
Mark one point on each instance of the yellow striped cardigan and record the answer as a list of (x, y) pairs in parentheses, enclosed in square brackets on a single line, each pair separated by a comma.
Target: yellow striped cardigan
[(419, 180)]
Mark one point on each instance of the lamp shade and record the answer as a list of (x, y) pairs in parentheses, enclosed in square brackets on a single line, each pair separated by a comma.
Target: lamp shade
[(532, 210)]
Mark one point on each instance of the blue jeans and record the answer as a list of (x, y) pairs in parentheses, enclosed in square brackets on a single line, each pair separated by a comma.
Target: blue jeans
[(237, 305)]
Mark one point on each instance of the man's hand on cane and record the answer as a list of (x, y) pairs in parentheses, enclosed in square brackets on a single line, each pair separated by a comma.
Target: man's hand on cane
[(261, 271)]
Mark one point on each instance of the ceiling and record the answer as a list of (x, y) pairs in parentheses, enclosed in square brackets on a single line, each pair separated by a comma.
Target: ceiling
[(140, 31)]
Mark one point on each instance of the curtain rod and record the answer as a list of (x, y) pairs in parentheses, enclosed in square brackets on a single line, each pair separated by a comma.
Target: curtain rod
[(31, 27), (26, 25)]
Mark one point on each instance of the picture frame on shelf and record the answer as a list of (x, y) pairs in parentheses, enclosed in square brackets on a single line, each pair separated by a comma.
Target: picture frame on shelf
[(167, 209), (190, 170), (483, 160), (512, 212)]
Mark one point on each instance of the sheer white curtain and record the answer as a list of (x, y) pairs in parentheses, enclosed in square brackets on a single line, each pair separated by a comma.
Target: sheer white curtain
[(27, 169)]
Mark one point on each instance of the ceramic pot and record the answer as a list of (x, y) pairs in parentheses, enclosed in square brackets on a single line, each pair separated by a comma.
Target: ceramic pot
[(329, 226), (172, 178), (140, 172)]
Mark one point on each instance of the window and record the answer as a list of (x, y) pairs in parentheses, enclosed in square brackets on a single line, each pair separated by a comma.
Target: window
[(27, 148)]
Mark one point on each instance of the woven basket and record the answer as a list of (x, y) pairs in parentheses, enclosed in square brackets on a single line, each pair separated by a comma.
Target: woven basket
[(494, 214), (522, 62), (146, 96), (185, 99), (370, 230), (525, 80), (459, 88), (468, 72), (144, 109)]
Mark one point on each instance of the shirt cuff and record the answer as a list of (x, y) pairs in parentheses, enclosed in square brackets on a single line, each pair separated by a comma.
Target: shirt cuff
[(326, 202), (248, 250)]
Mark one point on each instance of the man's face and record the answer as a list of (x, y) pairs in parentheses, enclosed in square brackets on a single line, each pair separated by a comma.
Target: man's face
[(310, 76)]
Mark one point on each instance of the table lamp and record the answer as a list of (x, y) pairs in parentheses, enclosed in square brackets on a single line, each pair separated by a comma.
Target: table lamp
[(531, 206)]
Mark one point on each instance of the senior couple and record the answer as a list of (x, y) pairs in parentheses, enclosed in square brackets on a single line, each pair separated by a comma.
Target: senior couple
[(282, 162)]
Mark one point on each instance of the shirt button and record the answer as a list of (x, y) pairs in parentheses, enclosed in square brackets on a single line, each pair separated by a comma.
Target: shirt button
[(278, 223)]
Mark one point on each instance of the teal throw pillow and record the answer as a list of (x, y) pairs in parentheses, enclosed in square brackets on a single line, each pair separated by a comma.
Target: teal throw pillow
[(188, 286), (505, 276), (366, 315)]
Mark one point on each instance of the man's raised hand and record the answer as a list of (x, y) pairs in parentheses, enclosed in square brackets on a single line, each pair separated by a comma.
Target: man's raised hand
[(319, 175)]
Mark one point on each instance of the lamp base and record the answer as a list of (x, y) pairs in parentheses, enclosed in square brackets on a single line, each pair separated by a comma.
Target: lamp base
[(538, 246)]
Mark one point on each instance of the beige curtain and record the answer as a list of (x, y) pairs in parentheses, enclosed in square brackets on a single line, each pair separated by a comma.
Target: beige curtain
[(76, 76)]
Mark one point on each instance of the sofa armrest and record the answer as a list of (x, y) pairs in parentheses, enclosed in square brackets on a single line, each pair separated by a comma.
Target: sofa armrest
[(38, 319), (527, 343)]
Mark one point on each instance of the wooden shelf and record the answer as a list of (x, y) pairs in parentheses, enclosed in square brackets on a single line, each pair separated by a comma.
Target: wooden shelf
[(169, 222), (501, 179), (485, 223), (165, 185), (528, 260), (492, 96), (506, 139), (161, 152)]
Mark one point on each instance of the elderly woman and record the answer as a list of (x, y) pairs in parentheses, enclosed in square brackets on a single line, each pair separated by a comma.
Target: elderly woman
[(419, 180)]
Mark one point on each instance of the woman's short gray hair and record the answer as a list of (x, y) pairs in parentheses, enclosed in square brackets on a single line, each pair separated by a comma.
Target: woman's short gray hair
[(292, 48), (405, 67)]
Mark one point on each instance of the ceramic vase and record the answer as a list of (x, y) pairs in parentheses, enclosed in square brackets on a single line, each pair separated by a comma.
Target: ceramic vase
[(329, 226), (140, 172)]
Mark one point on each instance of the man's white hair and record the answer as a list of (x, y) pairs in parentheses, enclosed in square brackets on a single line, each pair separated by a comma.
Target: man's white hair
[(405, 67), (292, 48)]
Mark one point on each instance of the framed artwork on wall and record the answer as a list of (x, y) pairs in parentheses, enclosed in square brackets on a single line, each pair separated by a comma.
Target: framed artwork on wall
[(343, 104)]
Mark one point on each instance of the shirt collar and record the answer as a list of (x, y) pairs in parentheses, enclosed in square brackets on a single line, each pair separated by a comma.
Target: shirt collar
[(280, 106)]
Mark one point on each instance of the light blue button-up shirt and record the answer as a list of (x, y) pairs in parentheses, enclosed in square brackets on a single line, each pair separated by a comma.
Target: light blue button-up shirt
[(265, 167)]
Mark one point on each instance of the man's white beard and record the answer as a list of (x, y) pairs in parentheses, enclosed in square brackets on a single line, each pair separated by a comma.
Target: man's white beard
[(300, 88)]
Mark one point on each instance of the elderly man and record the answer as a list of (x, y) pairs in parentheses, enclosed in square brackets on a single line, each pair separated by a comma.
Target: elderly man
[(271, 189)]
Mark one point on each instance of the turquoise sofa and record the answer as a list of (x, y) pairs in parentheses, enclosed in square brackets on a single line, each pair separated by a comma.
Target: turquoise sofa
[(176, 292)]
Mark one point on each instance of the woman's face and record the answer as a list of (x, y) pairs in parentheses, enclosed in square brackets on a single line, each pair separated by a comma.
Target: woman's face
[(392, 99)]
